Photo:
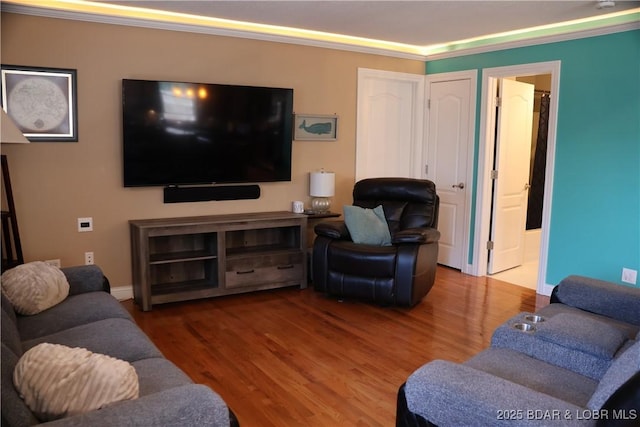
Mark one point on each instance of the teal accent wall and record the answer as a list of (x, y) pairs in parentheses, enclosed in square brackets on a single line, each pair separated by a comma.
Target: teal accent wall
[(595, 217)]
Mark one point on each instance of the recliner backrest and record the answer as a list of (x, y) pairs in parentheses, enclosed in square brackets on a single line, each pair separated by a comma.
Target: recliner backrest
[(407, 202)]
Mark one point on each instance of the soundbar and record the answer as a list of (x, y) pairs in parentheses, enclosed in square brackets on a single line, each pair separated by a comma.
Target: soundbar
[(205, 194)]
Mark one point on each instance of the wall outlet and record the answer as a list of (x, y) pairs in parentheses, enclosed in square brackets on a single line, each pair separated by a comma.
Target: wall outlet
[(54, 262), (629, 276), (88, 258)]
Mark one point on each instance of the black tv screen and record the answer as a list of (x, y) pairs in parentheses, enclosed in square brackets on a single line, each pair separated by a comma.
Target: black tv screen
[(177, 133)]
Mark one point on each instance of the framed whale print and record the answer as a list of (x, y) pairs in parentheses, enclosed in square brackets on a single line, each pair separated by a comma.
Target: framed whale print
[(314, 127)]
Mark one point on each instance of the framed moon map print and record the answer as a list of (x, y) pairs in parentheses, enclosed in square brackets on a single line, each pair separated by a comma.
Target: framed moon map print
[(41, 101)]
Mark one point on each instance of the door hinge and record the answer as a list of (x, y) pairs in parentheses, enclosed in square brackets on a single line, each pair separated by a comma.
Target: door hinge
[(426, 169), (494, 174), (428, 104), (490, 245), (498, 101)]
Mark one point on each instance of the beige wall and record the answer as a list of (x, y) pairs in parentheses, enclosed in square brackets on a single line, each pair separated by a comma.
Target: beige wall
[(55, 183)]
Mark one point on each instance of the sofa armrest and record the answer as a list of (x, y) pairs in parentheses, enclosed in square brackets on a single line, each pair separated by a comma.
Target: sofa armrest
[(598, 296), (86, 278), (416, 235), (450, 394), (333, 230), (188, 405)]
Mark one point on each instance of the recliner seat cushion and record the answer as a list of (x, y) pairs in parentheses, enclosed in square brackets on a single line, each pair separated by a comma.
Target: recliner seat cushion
[(536, 374), (362, 260)]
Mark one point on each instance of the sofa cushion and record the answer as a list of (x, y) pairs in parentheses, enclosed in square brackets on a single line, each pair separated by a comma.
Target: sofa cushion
[(621, 370), (34, 287), (74, 311), (10, 335), (582, 333), (14, 411), (8, 308), (150, 382), (56, 381), (367, 226), (119, 338)]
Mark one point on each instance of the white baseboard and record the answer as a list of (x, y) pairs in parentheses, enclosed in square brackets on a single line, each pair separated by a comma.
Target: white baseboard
[(122, 293), (468, 269), (546, 289)]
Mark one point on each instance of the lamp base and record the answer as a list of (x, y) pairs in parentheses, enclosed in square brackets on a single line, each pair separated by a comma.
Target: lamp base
[(320, 204)]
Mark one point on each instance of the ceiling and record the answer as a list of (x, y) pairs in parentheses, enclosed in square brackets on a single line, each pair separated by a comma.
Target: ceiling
[(421, 23), (412, 26)]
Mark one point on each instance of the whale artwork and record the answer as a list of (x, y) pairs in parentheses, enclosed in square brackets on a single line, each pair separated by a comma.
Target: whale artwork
[(316, 128)]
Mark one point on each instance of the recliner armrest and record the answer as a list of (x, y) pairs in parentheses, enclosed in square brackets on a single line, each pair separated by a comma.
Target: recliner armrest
[(416, 235), (450, 394), (333, 230), (601, 297)]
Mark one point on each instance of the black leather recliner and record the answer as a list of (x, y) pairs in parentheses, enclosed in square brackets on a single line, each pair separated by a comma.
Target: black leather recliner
[(400, 274)]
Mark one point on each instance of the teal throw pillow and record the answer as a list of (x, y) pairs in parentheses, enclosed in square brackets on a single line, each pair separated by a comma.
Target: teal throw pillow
[(367, 226)]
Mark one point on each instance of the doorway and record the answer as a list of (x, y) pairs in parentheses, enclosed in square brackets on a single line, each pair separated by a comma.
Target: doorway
[(521, 263), (536, 245)]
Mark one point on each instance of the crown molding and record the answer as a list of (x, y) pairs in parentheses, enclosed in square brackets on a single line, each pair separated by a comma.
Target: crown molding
[(344, 43), (574, 35), (393, 49)]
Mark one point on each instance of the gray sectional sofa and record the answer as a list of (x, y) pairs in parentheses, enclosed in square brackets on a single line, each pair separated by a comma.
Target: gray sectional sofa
[(91, 318), (573, 362)]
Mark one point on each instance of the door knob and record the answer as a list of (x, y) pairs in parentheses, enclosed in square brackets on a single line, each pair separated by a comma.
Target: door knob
[(460, 185)]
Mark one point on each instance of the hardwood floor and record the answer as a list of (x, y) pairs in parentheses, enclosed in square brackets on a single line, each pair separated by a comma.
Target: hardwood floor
[(292, 357)]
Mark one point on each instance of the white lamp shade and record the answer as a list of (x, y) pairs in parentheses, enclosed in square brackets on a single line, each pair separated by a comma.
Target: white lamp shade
[(9, 131), (322, 184)]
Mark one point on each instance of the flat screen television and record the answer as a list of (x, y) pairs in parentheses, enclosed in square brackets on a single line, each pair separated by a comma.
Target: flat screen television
[(177, 133)]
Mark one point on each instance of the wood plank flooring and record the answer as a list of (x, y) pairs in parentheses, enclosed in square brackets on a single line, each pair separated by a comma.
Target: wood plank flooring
[(292, 357)]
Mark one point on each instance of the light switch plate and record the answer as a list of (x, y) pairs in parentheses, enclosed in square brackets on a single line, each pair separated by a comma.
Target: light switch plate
[(85, 224)]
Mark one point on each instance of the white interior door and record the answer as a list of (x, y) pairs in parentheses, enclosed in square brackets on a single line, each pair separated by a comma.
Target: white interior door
[(389, 124), (511, 182), (448, 139)]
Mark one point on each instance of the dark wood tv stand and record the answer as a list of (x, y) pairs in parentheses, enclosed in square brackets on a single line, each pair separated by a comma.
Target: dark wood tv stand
[(178, 259)]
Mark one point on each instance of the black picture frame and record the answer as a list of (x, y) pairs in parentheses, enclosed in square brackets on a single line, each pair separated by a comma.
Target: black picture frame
[(42, 102)]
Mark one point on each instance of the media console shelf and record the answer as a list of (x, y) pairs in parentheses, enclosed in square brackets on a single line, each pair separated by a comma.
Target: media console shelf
[(178, 259)]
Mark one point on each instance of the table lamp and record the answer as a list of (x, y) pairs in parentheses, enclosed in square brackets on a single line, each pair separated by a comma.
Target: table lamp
[(10, 133), (321, 187)]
